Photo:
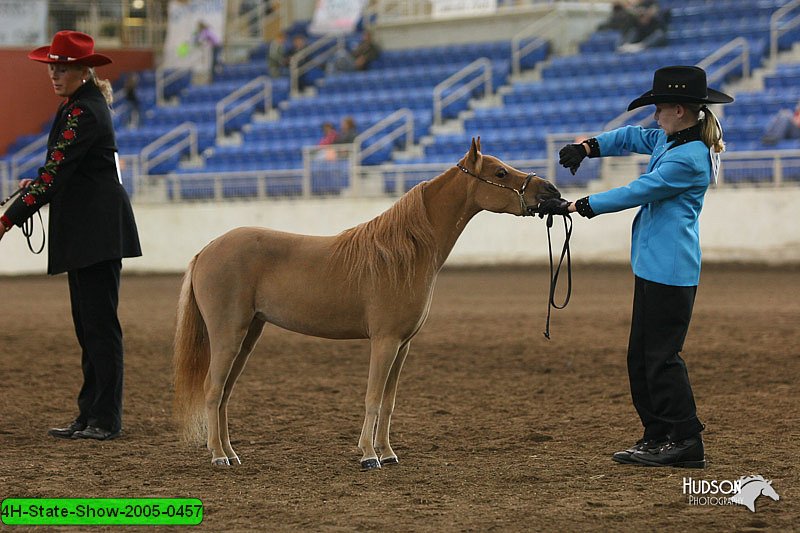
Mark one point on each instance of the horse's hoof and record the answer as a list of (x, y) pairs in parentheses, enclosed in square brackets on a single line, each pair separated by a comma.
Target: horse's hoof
[(220, 461), (390, 461), (234, 460), (370, 464)]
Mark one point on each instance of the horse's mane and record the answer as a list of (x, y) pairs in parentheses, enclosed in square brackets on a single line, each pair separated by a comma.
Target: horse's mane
[(745, 480), (390, 245)]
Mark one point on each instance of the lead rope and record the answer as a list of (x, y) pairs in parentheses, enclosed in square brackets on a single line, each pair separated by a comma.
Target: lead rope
[(27, 230), (551, 303)]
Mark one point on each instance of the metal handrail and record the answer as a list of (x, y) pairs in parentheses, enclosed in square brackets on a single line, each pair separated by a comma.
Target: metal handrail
[(299, 66), (741, 59), (439, 102), (163, 77), (5, 179), (716, 76), (544, 25), (776, 31), (264, 86), (188, 128), (406, 128), (16, 166)]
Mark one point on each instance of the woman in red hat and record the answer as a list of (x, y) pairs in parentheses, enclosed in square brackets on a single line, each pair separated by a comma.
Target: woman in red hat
[(665, 252), (91, 224)]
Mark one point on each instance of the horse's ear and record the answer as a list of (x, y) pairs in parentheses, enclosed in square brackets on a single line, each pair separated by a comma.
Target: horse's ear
[(474, 156)]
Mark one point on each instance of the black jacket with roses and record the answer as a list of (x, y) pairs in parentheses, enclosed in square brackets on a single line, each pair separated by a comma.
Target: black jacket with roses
[(91, 219)]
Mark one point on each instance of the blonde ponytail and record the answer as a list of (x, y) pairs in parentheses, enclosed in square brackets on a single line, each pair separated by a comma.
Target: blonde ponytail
[(710, 129), (103, 85)]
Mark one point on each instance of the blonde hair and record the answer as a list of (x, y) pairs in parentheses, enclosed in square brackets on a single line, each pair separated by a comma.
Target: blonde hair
[(104, 85), (711, 129)]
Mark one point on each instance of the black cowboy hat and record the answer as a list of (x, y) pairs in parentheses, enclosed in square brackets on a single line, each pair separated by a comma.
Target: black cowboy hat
[(679, 85)]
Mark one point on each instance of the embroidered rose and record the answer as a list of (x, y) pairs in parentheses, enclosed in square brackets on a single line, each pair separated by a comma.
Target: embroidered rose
[(29, 199), (58, 155), (76, 112), (68, 135), (46, 177)]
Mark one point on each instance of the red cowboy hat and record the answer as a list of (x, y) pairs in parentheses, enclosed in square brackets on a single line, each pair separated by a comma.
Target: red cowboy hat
[(70, 47)]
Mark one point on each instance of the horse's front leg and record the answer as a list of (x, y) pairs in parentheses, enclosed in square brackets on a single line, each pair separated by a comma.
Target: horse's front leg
[(383, 352), (388, 457)]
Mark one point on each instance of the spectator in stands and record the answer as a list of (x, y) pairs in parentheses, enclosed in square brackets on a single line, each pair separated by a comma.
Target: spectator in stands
[(278, 56), (205, 36), (623, 16), (649, 28), (131, 84), (299, 42), (329, 134), (665, 252), (357, 59), (91, 224), (347, 131), (784, 125)]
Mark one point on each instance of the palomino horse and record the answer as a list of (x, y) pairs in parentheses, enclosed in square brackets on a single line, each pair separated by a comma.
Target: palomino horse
[(373, 281)]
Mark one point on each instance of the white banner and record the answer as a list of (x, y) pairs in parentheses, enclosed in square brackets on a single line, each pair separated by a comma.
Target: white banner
[(336, 16), (24, 22), (462, 8), (182, 48)]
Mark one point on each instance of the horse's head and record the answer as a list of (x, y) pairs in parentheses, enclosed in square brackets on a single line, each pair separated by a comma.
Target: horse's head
[(502, 188)]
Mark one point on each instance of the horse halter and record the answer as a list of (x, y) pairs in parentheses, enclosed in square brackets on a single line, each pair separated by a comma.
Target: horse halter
[(526, 210)]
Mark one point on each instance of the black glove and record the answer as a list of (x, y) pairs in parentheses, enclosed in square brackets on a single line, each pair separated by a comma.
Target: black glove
[(571, 156), (553, 206)]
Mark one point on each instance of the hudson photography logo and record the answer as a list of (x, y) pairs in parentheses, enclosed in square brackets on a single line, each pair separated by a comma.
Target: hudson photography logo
[(743, 491)]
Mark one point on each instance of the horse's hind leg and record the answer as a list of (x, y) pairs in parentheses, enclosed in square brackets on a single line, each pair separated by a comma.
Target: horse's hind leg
[(250, 340), (226, 343), (382, 355), (388, 457)]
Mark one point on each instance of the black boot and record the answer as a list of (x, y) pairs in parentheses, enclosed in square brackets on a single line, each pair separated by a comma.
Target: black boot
[(625, 456), (687, 453), (67, 432)]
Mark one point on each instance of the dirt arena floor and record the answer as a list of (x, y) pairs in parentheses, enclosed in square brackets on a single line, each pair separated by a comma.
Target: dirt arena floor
[(497, 428)]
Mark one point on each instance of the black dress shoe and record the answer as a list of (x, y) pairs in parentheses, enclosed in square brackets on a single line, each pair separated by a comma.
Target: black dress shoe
[(625, 456), (96, 433), (67, 432), (688, 453)]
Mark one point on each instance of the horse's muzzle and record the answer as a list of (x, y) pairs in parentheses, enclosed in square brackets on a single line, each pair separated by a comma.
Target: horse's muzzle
[(547, 191)]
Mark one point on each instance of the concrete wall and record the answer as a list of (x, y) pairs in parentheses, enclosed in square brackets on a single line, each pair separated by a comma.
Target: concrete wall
[(749, 225)]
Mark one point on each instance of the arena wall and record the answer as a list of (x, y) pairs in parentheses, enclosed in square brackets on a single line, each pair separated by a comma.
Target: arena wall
[(754, 225)]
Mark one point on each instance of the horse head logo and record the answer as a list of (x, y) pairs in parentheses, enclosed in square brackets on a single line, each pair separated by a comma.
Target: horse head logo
[(750, 488)]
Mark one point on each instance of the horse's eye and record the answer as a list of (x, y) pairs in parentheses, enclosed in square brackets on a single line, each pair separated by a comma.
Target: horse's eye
[(501, 173)]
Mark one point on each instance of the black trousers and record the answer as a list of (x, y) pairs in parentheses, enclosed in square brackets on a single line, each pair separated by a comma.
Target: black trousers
[(94, 295), (659, 381)]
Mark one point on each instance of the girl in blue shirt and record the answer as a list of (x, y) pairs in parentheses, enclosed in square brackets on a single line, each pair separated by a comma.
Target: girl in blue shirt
[(665, 252)]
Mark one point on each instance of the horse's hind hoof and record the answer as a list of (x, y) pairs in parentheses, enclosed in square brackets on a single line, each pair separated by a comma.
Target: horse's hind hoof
[(370, 464), (220, 461), (390, 461), (234, 460)]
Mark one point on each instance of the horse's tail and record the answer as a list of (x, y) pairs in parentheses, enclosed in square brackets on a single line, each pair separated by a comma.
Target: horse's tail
[(190, 363)]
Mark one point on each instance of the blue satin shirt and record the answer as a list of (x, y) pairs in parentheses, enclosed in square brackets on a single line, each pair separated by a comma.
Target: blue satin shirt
[(665, 240)]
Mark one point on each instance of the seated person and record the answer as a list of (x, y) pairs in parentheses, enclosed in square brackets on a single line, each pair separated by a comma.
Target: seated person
[(347, 131), (357, 59), (329, 134), (278, 56), (649, 29), (784, 125)]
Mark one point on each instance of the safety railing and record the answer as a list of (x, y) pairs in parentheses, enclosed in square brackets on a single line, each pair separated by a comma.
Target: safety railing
[(163, 77), (220, 186), (314, 55), (779, 25), (24, 159), (442, 100), (765, 167), (183, 136), (530, 39), (243, 99), (716, 58)]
